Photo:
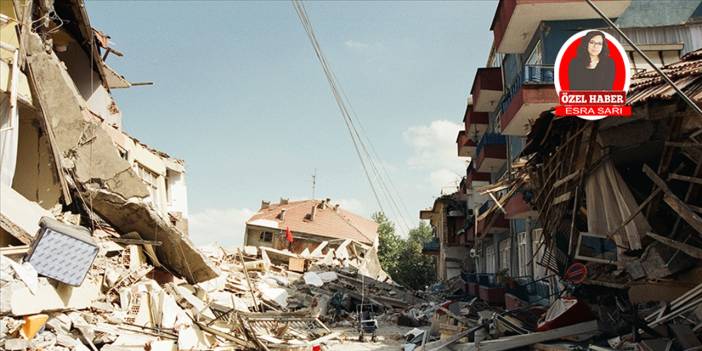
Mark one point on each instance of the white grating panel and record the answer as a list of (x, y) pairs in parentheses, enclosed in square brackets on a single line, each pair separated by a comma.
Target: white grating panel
[(62, 257)]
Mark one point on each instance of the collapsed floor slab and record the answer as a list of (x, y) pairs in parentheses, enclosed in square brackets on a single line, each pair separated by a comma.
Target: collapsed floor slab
[(114, 190)]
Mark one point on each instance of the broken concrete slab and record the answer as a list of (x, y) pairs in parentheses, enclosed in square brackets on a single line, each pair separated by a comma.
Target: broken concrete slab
[(19, 216), (117, 192), (17, 298), (311, 278), (176, 252), (16, 344), (24, 272), (273, 294)]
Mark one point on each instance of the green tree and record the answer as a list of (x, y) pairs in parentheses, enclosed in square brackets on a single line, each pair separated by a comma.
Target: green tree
[(416, 270), (389, 243), (401, 258)]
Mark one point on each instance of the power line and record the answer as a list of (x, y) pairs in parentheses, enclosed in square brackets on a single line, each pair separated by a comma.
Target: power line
[(368, 163), (302, 15)]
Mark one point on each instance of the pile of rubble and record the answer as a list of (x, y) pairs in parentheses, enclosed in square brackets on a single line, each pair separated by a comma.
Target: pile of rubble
[(262, 298), (467, 323)]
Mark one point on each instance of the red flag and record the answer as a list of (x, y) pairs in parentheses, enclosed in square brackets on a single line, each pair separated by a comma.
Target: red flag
[(288, 234)]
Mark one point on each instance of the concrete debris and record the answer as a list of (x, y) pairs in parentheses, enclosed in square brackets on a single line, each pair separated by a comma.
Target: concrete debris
[(120, 306), (311, 278)]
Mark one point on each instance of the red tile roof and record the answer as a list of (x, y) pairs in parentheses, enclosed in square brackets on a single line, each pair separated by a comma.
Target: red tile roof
[(327, 222), (686, 73)]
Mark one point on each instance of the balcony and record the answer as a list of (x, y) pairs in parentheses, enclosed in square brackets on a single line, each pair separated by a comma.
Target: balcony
[(531, 93), (473, 175), (476, 122), (499, 224), (516, 21), (489, 290), (426, 214), (465, 145), (518, 208), (486, 89), (491, 153), (431, 247)]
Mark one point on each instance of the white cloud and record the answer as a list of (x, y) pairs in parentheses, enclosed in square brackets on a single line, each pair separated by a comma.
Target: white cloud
[(434, 150), (434, 146), (352, 44), (352, 205), (224, 226), (444, 179)]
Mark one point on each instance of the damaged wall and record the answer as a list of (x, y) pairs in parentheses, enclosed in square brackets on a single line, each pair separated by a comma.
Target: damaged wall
[(117, 193), (87, 80), (35, 175)]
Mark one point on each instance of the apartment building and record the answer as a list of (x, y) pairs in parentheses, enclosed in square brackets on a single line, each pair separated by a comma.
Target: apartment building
[(507, 97), (63, 151)]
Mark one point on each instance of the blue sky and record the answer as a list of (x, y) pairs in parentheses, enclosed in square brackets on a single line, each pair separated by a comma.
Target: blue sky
[(240, 96)]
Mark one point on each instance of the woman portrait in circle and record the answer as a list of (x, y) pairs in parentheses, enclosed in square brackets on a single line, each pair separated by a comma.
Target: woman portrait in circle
[(592, 68)]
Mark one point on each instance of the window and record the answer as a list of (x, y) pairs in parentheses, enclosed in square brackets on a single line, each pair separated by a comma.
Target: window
[(151, 179), (124, 154), (490, 259), (523, 253), (505, 248), (266, 236)]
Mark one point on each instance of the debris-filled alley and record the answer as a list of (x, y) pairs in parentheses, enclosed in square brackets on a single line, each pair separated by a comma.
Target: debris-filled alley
[(564, 233)]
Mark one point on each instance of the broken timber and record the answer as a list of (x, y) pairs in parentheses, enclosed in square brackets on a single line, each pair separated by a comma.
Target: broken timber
[(516, 341), (674, 202)]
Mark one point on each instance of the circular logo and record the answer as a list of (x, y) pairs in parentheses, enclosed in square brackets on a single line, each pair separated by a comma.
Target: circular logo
[(592, 61)]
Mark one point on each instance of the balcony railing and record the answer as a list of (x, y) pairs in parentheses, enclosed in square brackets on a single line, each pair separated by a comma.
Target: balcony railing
[(531, 74)]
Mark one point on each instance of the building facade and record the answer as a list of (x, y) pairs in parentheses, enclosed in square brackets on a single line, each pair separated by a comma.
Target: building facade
[(506, 98)]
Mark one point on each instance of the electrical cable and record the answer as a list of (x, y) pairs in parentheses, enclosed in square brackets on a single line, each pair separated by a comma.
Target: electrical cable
[(366, 157)]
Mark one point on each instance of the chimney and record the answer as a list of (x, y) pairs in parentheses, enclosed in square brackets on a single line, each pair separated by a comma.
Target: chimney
[(265, 204), (281, 215), (310, 216), (284, 201)]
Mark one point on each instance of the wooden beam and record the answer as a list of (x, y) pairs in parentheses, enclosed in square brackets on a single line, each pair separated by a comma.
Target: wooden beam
[(683, 145), (512, 342), (685, 212), (674, 202), (248, 281), (685, 178), (562, 198), (456, 317), (635, 213), (441, 344), (567, 178), (492, 196), (690, 250)]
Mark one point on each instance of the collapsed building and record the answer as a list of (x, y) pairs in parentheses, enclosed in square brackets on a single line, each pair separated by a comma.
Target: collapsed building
[(605, 213), (309, 223), (64, 153), (94, 247)]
